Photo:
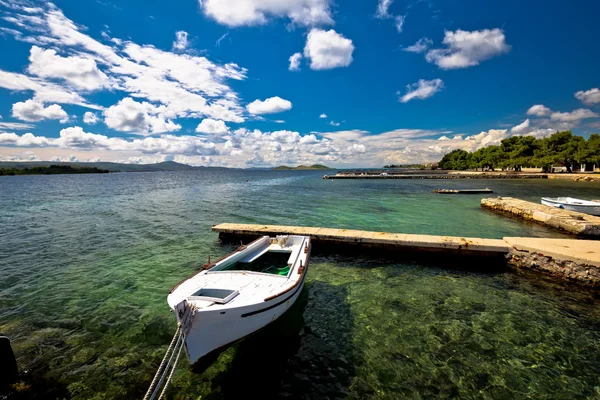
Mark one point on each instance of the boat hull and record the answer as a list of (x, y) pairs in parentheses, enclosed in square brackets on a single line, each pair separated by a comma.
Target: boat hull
[(586, 209), (213, 331)]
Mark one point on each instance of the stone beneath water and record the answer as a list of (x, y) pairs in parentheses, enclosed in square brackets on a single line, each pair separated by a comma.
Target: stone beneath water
[(9, 372)]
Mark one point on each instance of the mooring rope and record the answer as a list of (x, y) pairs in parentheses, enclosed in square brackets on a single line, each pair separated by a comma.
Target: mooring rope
[(172, 372), (150, 393)]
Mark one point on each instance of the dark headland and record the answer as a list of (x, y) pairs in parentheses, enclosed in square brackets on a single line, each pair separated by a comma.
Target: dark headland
[(301, 167)]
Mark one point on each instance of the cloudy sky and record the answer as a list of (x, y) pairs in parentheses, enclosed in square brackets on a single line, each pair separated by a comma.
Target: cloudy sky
[(257, 83)]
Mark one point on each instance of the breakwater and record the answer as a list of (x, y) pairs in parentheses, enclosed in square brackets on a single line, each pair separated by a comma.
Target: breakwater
[(570, 221)]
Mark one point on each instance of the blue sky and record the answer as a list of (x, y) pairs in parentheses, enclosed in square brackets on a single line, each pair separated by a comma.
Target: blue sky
[(246, 83)]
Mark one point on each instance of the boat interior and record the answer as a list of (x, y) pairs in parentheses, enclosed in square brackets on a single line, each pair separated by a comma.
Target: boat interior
[(275, 257)]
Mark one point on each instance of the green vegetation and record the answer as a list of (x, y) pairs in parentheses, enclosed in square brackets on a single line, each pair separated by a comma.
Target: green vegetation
[(53, 170), (562, 148), (300, 167)]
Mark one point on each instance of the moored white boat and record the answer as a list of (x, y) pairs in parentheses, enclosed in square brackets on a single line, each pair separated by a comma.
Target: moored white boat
[(240, 293), (573, 204)]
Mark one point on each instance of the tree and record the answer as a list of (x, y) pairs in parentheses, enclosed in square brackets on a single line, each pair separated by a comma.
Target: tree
[(457, 159)]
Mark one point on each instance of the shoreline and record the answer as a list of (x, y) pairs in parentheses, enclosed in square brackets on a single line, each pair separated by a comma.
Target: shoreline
[(576, 177)]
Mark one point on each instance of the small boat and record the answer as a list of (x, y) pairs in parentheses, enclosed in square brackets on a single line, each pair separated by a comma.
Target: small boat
[(239, 294), (572, 204)]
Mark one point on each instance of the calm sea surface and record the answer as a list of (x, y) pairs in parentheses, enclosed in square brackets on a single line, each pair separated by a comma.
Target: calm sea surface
[(86, 262)]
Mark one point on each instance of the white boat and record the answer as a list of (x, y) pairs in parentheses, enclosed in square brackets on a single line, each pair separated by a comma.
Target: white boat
[(239, 294), (572, 204)]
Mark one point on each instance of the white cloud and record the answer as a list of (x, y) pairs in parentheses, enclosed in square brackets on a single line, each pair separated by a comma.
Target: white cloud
[(220, 39), (573, 116), (420, 46), (422, 90), (589, 97), (81, 72), (295, 61), (45, 92), (539, 110), (269, 106), (523, 126), (189, 86), (141, 118), (90, 118), (323, 115), (383, 7), (15, 125), (33, 111), (181, 41), (257, 12), (333, 123), (213, 127), (466, 49), (328, 49), (399, 20)]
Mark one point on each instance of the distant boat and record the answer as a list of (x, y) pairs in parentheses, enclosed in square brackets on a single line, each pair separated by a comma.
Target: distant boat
[(239, 294), (572, 204)]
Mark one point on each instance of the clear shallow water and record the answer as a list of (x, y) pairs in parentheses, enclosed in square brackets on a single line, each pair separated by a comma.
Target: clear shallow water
[(86, 263)]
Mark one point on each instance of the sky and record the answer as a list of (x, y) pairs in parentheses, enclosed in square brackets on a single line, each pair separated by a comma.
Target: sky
[(261, 83)]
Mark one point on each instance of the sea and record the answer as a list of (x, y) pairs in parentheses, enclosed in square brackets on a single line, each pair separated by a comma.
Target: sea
[(87, 261)]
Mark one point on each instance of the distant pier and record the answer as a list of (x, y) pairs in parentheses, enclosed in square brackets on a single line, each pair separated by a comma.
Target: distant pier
[(570, 221), (451, 175), (566, 259)]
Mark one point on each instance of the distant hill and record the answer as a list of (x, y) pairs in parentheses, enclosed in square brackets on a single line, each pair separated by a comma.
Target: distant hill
[(301, 167), (113, 167)]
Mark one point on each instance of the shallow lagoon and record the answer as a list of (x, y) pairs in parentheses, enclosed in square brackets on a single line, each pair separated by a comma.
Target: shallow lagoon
[(86, 263)]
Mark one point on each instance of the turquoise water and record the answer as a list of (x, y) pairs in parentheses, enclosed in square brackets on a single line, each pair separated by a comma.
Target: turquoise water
[(86, 263)]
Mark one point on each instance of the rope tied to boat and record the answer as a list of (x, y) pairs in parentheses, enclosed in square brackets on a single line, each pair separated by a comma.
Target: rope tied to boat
[(175, 347)]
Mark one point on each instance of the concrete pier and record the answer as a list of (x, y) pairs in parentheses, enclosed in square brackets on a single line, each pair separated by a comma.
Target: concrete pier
[(366, 239), (569, 221), (567, 259)]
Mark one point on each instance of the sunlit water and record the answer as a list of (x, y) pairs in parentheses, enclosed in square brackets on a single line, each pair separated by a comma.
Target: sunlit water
[(86, 263)]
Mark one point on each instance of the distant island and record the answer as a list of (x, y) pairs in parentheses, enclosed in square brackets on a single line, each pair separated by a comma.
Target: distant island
[(301, 167), (109, 166), (52, 170)]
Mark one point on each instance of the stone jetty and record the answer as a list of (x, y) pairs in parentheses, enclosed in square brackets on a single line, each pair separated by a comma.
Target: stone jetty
[(567, 259), (570, 221)]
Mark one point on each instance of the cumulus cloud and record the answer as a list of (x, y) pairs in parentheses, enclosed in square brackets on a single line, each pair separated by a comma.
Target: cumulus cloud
[(34, 111), (422, 90), (328, 49), (258, 12), (420, 46), (295, 61), (333, 123), (467, 49), (539, 110), (523, 126), (90, 118), (589, 97), (573, 116), (181, 41), (82, 72), (211, 126), (323, 116), (143, 118), (269, 106)]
